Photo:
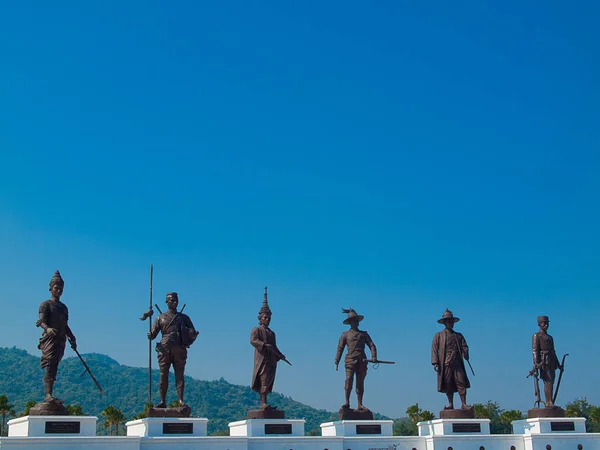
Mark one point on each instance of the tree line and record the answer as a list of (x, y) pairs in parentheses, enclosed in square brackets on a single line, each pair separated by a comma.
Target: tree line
[(500, 419)]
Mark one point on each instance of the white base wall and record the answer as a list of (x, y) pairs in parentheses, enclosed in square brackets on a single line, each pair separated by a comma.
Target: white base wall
[(167, 426), (37, 426), (532, 438), (357, 428), (267, 427)]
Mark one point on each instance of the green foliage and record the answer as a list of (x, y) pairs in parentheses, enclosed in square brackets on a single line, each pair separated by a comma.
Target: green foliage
[(221, 433), (500, 420), (510, 415), (127, 389), (417, 414), (582, 408), (486, 410), (144, 413), (114, 418), (6, 409), (75, 410), (30, 404), (405, 427)]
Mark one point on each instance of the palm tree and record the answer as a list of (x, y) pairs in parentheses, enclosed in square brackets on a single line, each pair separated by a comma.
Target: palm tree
[(5, 408), (114, 417)]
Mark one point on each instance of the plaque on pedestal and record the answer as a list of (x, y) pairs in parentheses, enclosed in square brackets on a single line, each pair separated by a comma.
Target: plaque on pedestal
[(267, 427), (37, 426), (167, 426), (449, 427), (543, 425), (357, 428)]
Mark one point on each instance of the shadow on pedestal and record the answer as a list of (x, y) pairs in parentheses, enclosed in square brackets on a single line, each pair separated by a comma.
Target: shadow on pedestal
[(554, 411), (52, 407), (346, 413), (457, 414), (270, 413), (182, 411)]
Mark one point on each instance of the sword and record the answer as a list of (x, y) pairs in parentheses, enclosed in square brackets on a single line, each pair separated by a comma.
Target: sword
[(87, 369), (462, 356), (380, 361), (470, 366), (562, 364)]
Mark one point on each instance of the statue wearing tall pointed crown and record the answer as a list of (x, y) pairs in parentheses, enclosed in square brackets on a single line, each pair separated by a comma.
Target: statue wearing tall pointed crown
[(266, 357)]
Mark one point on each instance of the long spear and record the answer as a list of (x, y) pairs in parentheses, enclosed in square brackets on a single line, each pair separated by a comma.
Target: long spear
[(147, 314)]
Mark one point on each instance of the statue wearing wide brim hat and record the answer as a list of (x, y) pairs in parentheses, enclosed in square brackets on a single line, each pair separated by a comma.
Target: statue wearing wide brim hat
[(448, 316), (352, 315), (449, 354)]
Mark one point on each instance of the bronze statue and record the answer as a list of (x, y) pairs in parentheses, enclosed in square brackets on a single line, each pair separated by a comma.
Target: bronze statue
[(178, 333), (356, 363), (545, 362), (54, 320), (266, 356), (448, 350)]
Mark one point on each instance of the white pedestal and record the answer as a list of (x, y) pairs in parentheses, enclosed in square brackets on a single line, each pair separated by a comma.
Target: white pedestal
[(453, 427), (543, 425), (357, 428), (267, 427), (167, 426), (38, 426)]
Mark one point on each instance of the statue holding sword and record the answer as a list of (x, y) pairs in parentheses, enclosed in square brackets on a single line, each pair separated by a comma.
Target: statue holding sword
[(449, 351), (53, 318), (356, 364), (266, 357)]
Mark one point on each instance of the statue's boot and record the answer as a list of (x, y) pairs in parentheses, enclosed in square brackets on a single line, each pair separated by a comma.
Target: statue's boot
[(163, 399), (463, 400), (548, 395), (347, 396), (180, 396), (450, 396), (48, 385), (361, 407)]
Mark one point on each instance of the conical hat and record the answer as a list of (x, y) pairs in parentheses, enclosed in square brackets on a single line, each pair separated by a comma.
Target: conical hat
[(56, 279)]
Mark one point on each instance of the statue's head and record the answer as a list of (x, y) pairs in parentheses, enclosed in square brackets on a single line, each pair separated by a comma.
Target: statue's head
[(543, 322), (448, 319), (353, 317), (172, 300), (264, 319), (57, 285), (264, 315)]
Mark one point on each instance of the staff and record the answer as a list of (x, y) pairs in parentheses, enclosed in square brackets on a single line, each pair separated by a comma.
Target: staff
[(147, 314)]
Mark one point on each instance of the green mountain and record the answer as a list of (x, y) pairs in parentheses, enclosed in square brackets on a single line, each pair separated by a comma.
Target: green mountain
[(127, 388)]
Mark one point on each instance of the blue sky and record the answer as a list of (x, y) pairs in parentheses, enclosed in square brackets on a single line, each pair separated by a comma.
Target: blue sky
[(396, 157)]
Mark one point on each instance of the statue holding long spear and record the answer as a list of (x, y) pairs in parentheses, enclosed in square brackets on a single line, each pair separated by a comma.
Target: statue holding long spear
[(178, 334)]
